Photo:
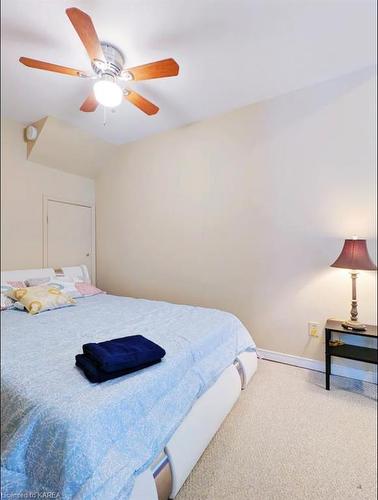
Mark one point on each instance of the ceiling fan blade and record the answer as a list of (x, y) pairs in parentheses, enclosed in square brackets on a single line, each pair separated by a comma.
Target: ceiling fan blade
[(90, 104), (34, 63), (157, 69), (87, 33), (141, 103)]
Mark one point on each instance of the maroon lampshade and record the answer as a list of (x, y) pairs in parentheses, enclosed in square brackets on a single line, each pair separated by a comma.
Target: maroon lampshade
[(355, 256)]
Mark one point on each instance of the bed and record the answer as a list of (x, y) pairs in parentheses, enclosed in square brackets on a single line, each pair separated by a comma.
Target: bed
[(136, 437)]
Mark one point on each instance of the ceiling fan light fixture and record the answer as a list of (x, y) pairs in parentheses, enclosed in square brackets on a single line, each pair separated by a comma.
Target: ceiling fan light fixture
[(108, 93)]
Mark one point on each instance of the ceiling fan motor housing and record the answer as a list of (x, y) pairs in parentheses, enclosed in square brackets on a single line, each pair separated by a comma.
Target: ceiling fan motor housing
[(114, 61)]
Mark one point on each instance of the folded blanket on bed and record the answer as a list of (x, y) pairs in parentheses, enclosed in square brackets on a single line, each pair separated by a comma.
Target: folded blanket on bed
[(123, 353), (95, 374)]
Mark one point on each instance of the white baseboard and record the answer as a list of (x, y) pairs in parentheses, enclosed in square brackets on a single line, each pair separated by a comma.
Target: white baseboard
[(313, 364)]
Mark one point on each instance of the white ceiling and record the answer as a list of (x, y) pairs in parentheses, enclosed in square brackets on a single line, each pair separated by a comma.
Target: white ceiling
[(231, 53)]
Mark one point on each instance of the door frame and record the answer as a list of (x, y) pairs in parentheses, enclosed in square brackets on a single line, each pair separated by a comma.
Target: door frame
[(91, 206)]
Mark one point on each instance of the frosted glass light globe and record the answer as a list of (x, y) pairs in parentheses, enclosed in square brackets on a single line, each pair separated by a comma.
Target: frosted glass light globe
[(108, 93)]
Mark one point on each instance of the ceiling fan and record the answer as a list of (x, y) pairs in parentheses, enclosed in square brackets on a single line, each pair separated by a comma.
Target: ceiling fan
[(109, 71)]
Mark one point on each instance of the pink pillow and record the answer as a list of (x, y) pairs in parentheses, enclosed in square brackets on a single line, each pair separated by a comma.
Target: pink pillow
[(86, 289), (16, 284)]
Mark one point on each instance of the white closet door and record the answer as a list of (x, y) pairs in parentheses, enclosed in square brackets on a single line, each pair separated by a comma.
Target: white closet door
[(69, 235)]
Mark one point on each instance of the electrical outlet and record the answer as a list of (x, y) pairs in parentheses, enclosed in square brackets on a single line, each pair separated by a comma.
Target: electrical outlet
[(314, 329)]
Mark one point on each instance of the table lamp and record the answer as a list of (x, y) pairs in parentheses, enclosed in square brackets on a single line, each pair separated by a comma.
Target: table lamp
[(354, 256)]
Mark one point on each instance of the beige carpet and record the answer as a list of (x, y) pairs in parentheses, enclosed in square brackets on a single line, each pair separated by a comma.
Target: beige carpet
[(289, 438)]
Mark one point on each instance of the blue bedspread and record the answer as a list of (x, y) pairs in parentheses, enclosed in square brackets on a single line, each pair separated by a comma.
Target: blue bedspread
[(73, 439)]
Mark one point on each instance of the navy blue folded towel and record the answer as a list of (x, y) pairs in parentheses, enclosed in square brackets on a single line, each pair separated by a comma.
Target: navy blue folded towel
[(95, 374), (123, 353)]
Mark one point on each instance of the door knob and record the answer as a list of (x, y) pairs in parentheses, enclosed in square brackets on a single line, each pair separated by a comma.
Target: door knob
[(87, 255)]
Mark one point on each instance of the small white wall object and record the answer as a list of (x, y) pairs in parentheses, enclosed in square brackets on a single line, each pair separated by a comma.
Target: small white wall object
[(31, 133)]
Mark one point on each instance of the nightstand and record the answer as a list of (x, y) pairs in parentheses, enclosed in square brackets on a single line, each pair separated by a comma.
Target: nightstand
[(348, 351)]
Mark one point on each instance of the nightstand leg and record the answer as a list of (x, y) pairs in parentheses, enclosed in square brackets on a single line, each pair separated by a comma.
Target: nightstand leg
[(327, 358), (328, 370)]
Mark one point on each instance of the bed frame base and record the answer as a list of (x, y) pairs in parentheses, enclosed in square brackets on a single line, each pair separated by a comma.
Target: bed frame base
[(165, 477)]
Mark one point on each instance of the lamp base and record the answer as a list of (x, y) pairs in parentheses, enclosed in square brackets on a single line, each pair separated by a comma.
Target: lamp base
[(353, 325)]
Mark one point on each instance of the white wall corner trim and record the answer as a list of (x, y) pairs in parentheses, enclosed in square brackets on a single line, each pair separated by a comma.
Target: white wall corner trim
[(314, 364)]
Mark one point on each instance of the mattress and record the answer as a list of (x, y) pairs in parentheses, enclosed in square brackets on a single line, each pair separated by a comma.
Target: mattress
[(66, 437)]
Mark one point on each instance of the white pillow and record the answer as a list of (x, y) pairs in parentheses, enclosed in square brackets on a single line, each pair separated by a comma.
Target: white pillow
[(66, 285), (37, 281)]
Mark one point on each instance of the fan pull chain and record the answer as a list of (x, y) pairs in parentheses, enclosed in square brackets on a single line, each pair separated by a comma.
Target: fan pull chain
[(104, 116)]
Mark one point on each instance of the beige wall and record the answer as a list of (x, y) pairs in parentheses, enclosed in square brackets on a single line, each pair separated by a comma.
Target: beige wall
[(23, 184), (64, 147), (246, 211)]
